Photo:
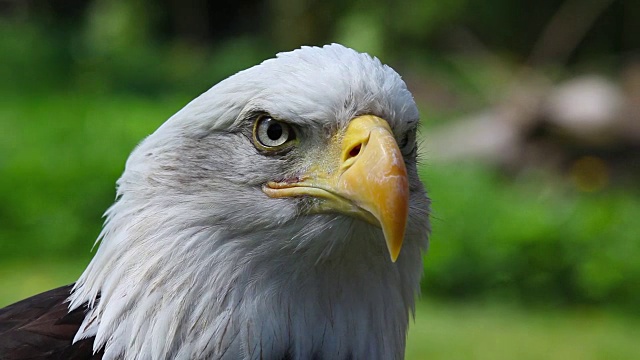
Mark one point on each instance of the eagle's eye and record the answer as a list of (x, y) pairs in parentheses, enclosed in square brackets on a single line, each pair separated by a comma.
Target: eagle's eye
[(270, 134)]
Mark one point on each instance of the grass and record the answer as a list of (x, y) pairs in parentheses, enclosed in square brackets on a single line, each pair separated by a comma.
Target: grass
[(23, 278), (495, 331), (442, 330)]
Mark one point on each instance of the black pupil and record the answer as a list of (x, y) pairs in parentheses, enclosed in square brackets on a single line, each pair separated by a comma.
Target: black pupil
[(274, 131)]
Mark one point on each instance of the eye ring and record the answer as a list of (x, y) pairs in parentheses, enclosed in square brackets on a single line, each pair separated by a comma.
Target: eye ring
[(270, 134)]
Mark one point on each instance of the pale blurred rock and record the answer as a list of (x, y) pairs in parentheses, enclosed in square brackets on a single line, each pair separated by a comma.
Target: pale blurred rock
[(541, 125), (494, 135), (480, 137), (587, 107)]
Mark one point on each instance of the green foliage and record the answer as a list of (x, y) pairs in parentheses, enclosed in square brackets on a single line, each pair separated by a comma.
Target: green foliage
[(60, 157), (533, 238), (36, 60), (30, 61), (449, 330)]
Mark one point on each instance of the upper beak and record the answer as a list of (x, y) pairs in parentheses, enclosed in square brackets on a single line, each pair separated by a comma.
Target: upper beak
[(366, 178)]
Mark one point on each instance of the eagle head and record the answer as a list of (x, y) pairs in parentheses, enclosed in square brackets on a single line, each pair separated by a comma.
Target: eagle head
[(277, 215)]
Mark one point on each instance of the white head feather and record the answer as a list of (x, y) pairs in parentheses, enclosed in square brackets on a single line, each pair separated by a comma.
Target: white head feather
[(196, 262)]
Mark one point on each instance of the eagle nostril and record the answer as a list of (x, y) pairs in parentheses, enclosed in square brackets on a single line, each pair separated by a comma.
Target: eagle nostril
[(355, 151)]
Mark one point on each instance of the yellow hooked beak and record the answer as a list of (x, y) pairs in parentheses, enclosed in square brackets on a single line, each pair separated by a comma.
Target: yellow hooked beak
[(361, 174)]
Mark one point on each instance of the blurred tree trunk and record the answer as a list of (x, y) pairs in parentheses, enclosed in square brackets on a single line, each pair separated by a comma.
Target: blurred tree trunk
[(190, 19), (293, 23)]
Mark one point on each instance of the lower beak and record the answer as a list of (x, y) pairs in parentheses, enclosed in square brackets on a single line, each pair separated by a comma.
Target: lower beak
[(367, 180)]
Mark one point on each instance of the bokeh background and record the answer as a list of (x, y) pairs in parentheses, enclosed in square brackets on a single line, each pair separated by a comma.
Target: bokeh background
[(530, 146)]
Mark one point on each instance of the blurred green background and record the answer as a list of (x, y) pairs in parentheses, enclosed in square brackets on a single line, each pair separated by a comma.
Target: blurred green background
[(530, 146)]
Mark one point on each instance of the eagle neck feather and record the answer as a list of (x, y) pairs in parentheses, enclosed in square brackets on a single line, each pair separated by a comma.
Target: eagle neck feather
[(172, 288)]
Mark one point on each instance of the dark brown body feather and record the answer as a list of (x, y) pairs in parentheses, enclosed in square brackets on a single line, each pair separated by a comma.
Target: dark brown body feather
[(41, 327)]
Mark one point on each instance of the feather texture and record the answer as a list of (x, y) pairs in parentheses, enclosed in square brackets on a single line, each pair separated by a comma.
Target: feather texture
[(41, 327)]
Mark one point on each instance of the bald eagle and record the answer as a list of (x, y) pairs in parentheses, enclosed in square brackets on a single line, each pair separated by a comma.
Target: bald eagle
[(264, 220)]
